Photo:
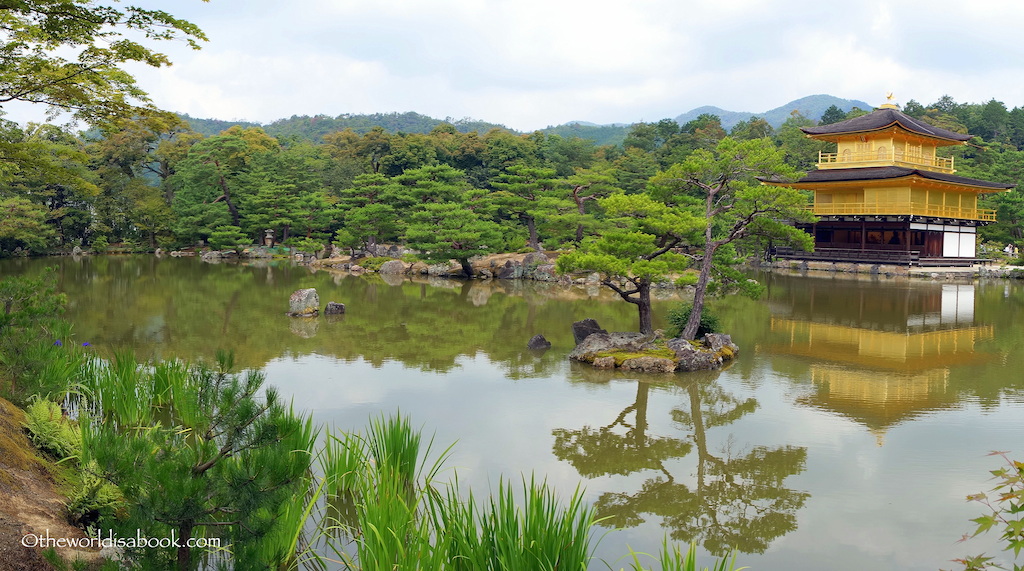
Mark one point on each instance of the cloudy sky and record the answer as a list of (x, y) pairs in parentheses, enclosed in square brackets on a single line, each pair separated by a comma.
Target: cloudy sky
[(528, 64)]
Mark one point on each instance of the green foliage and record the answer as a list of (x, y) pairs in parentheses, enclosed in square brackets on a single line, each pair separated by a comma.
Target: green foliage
[(223, 458), (37, 353), (537, 531), (228, 238), (308, 245), (1005, 514), (94, 499), (51, 431), (402, 520), (445, 231), (374, 263), (100, 244), (40, 34), (23, 225), (832, 115), (679, 315), (394, 446), (726, 185), (672, 558), (637, 249)]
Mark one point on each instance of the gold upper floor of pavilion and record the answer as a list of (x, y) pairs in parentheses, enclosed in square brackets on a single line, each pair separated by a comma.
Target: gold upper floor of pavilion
[(885, 156)]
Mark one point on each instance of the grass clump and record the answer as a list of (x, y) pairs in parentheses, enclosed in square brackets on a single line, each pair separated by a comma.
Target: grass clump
[(373, 263), (529, 530), (672, 558)]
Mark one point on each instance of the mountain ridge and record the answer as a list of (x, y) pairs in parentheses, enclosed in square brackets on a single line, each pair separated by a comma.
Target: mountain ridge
[(315, 127)]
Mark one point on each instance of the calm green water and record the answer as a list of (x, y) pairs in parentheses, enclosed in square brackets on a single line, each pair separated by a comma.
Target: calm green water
[(845, 437)]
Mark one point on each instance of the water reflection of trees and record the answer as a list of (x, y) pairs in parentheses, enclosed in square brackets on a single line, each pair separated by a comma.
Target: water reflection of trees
[(186, 308), (734, 500)]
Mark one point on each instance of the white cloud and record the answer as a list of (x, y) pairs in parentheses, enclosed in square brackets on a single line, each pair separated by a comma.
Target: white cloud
[(531, 63)]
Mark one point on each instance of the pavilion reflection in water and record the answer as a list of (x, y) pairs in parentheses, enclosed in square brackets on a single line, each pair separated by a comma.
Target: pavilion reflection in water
[(880, 355)]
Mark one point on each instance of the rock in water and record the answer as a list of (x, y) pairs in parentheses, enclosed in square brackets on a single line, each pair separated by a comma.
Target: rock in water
[(304, 303), (709, 353), (597, 343), (334, 308), (583, 329), (538, 342)]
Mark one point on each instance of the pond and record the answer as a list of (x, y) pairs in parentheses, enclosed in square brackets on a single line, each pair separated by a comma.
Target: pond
[(846, 436)]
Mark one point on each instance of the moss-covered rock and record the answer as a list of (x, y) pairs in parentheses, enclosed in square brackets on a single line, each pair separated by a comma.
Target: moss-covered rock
[(653, 353)]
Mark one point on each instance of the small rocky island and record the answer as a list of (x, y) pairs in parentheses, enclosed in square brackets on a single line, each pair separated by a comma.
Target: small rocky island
[(649, 352)]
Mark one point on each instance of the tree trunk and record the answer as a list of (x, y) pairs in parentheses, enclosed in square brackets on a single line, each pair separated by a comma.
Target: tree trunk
[(466, 267), (531, 228), (690, 331), (699, 435), (184, 551), (235, 218), (643, 304)]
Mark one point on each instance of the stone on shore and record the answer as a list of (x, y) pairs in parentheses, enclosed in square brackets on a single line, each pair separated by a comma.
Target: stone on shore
[(392, 267), (584, 328)]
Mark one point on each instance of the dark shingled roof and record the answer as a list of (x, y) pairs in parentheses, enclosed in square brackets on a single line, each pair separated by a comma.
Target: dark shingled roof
[(881, 173), (881, 119)]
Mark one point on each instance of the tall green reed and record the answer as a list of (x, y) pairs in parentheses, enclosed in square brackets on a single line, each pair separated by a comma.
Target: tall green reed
[(529, 530), (672, 558)]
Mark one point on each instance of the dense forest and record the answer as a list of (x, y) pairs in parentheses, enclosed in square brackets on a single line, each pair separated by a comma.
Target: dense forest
[(160, 180)]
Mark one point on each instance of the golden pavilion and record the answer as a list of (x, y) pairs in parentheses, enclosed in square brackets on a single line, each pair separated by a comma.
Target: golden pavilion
[(886, 196)]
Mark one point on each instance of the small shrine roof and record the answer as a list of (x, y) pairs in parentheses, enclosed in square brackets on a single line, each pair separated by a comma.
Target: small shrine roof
[(882, 119)]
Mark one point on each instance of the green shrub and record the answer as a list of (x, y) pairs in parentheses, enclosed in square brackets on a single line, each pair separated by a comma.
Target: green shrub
[(93, 500), (373, 263), (100, 244), (228, 238), (679, 315), (51, 431), (307, 245)]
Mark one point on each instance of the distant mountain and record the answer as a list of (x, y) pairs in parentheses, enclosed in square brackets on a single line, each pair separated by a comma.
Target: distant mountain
[(210, 127), (314, 128), (812, 107), (612, 134), (729, 118)]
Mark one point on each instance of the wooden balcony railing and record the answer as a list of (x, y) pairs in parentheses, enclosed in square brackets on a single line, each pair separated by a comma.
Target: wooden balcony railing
[(890, 158), (903, 208)]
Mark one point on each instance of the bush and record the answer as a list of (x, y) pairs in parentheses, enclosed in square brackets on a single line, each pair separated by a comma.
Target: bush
[(679, 315), (228, 238), (100, 244), (37, 356), (307, 245), (51, 431), (374, 263)]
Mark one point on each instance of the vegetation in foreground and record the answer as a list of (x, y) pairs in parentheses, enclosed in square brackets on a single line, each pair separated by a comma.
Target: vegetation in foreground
[(1004, 513), (200, 451)]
